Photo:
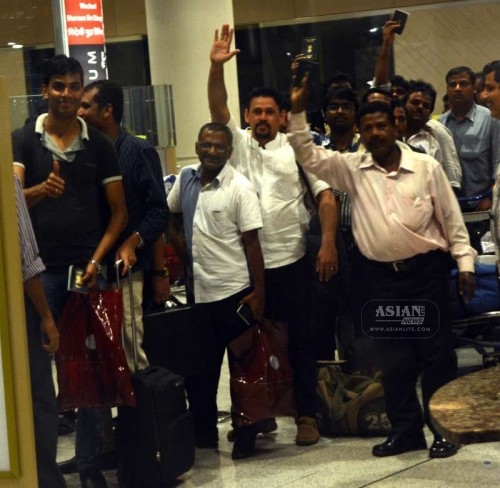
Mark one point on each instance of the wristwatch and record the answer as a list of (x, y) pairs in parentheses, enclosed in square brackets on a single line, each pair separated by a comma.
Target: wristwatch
[(163, 273), (97, 265)]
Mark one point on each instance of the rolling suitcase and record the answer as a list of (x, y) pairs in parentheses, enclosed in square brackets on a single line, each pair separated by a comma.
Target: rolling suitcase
[(156, 439)]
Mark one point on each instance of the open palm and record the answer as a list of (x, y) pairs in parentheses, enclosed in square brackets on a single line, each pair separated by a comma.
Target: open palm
[(221, 48)]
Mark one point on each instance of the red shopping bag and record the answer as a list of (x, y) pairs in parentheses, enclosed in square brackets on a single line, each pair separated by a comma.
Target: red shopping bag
[(91, 365), (261, 377)]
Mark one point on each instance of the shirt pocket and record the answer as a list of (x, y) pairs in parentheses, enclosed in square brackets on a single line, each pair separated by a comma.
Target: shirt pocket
[(415, 213)]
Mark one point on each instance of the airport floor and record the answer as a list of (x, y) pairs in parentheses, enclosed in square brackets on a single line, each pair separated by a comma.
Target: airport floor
[(342, 462)]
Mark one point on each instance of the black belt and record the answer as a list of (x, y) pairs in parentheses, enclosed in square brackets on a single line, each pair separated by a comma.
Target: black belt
[(406, 264)]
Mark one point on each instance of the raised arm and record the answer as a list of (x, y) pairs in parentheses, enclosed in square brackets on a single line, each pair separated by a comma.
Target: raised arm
[(382, 64), (217, 93)]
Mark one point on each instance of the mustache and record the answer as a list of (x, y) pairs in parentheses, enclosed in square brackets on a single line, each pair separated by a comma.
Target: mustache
[(264, 124)]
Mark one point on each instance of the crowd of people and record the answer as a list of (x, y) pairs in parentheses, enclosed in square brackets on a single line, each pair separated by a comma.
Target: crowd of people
[(384, 178)]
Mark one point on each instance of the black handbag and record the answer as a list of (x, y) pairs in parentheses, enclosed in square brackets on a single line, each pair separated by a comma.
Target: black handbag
[(176, 338)]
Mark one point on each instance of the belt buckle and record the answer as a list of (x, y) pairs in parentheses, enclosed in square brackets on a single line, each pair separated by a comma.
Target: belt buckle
[(395, 265)]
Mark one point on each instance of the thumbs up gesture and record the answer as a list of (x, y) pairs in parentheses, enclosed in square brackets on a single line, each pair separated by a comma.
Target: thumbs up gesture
[(54, 184)]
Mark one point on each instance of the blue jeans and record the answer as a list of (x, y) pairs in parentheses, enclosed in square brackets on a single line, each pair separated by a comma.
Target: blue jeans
[(91, 423)]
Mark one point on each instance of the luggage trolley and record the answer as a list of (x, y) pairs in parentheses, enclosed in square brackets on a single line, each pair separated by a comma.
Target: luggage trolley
[(477, 324)]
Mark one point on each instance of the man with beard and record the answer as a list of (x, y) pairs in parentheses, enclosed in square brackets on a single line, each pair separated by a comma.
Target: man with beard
[(267, 160), (405, 220), (476, 135)]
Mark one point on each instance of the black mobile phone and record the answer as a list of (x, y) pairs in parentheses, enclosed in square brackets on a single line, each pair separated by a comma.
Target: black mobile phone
[(245, 313), (305, 66), (400, 17)]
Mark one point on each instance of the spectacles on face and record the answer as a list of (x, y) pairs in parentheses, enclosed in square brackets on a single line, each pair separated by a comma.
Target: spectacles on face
[(207, 146), (335, 107)]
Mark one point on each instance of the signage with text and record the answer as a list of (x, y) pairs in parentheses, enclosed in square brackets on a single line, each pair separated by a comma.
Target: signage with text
[(85, 32)]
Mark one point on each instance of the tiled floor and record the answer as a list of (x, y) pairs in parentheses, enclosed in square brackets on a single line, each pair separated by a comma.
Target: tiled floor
[(332, 463)]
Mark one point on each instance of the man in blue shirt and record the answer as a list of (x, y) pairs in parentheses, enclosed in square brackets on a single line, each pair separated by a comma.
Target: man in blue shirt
[(476, 135)]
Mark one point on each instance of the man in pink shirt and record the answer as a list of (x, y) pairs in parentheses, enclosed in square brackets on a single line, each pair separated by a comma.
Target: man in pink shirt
[(406, 221)]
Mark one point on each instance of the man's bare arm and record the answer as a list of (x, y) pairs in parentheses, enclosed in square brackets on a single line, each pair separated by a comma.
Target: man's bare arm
[(327, 259), (255, 262), (382, 64), (217, 93)]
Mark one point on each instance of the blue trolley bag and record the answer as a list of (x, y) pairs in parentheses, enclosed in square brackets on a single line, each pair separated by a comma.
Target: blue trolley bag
[(156, 439)]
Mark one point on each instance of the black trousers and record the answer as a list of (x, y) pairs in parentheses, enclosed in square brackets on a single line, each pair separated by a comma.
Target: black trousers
[(45, 412), (402, 360), (225, 325), (288, 299)]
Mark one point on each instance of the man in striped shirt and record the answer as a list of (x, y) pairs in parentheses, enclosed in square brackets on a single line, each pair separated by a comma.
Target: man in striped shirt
[(43, 341), (141, 243)]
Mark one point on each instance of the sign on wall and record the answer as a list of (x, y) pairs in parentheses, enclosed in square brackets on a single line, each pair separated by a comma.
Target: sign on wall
[(85, 33)]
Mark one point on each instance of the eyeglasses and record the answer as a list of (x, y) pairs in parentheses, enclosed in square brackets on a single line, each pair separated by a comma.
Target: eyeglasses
[(335, 107), (207, 146)]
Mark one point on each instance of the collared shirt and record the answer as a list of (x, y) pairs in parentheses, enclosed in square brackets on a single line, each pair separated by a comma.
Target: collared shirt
[(275, 175), (31, 262), (69, 153), (144, 192), (395, 215), (450, 160), (424, 140), (214, 218), (69, 228), (477, 139)]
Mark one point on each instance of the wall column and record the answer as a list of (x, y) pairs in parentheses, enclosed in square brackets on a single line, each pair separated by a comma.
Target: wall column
[(180, 34)]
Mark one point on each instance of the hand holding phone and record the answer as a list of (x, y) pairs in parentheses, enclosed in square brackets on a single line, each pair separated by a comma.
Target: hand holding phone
[(245, 313), (305, 66), (400, 17), (75, 276)]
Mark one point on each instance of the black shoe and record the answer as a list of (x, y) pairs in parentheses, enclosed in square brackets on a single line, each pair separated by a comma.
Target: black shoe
[(69, 466), (441, 448), (92, 478), (264, 426), (244, 444), (398, 443)]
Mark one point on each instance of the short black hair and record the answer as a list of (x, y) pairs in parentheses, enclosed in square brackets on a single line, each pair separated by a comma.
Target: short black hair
[(398, 80), (373, 108), (342, 94), (461, 69), (340, 79), (108, 92), (217, 127), (493, 67), (375, 89), (398, 103), (267, 92), (61, 65), (423, 87)]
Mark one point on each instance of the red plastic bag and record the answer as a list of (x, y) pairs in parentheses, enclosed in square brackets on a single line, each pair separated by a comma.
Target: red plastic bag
[(91, 365), (261, 377)]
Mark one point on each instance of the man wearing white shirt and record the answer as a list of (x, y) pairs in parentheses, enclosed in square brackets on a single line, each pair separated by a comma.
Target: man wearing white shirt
[(224, 264), (267, 160)]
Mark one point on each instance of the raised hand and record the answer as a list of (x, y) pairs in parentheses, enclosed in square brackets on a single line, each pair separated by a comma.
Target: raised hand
[(54, 184), (221, 48), (298, 96)]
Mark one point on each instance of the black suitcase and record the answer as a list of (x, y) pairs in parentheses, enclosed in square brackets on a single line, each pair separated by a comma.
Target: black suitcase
[(156, 439)]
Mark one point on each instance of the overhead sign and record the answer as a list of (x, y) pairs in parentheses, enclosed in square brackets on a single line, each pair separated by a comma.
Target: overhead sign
[(85, 33)]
